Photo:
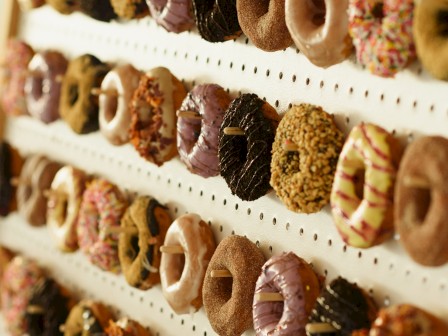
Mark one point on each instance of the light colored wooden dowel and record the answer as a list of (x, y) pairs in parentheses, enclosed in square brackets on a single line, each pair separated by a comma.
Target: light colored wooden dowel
[(59, 78), (233, 131), (221, 274), (119, 229), (16, 181), (289, 146), (34, 309), (172, 249), (189, 115), (56, 193), (266, 297), (99, 91), (319, 328), (416, 182)]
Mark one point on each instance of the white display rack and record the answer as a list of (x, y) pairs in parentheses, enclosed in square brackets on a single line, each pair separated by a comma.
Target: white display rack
[(411, 104)]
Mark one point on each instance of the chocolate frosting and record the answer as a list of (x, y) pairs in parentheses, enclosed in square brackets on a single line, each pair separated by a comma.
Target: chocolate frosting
[(99, 9), (245, 160), (217, 20), (6, 189), (345, 306)]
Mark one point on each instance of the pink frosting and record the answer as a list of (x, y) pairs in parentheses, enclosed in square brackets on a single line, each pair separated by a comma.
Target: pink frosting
[(174, 15)]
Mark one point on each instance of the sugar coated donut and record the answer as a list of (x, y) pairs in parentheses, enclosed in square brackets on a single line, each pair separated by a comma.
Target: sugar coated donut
[(407, 320), (36, 177), (217, 20), (174, 15), (382, 34), (197, 138), (53, 309), (363, 188), (13, 77), (102, 207), (10, 167), (139, 251), (77, 106), (19, 280), (63, 206), (421, 198), (345, 306), (302, 178), (87, 318), (114, 113), (245, 159), (130, 9), (228, 301), (126, 327), (182, 275), (263, 22), (42, 87), (430, 36), (320, 30), (65, 6), (99, 9), (153, 109), (299, 285)]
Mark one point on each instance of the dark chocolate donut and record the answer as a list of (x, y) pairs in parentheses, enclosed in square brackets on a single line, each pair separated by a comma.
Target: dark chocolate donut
[(77, 106), (6, 189), (245, 160), (217, 20), (54, 305), (99, 9)]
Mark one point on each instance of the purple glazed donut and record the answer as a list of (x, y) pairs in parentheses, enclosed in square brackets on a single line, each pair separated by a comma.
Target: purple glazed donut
[(43, 85), (174, 15), (197, 138), (299, 285)]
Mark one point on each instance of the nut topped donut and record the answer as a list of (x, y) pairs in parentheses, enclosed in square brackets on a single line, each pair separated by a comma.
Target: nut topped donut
[(174, 15), (197, 132), (245, 159)]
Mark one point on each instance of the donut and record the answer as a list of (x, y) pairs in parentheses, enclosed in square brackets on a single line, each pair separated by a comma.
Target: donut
[(20, 278), (100, 10), (345, 306), (302, 178), (64, 6), (42, 87), (405, 320), (36, 177), (430, 36), (320, 30), (244, 160), (87, 318), (382, 34), (363, 188), (77, 106), (299, 285), (10, 167), (130, 9), (228, 301), (197, 139), (102, 207), (63, 206), (52, 309), (217, 20), (114, 114), (182, 275), (263, 22), (174, 15), (153, 115), (13, 77), (139, 251), (126, 327), (421, 195)]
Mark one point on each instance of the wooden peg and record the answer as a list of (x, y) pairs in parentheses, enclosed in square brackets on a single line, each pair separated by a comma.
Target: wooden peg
[(289, 146), (119, 229), (99, 91), (221, 274), (153, 240), (16, 181), (269, 297), (52, 192), (416, 182), (62, 328), (188, 115), (172, 249), (59, 78), (35, 310), (233, 131), (319, 328)]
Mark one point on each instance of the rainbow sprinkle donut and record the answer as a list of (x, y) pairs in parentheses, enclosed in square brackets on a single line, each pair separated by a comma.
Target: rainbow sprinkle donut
[(382, 34)]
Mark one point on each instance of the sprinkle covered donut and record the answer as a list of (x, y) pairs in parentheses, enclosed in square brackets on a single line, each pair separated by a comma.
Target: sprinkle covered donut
[(382, 34), (302, 178), (363, 188), (174, 15)]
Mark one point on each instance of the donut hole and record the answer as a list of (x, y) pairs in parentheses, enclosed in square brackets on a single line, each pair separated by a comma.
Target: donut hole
[(176, 266), (73, 94), (135, 249), (62, 209), (38, 87), (223, 289), (422, 201), (111, 107), (27, 191), (358, 181), (319, 11), (442, 22)]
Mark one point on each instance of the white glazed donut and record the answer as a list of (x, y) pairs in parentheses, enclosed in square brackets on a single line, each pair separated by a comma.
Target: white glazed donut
[(182, 288), (114, 114)]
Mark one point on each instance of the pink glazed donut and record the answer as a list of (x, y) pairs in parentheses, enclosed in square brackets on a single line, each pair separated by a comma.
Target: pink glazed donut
[(320, 30), (174, 15), (43, 85)]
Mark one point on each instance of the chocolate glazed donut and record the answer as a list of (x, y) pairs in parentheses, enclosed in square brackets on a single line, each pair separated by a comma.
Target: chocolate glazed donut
[(245, 160), (217, 20)]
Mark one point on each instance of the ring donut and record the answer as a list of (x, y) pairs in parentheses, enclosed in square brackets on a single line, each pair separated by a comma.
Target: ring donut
[(363, 212), (228, 302), (174, 15), (197, 139), (139, 252), (63, 206), (299, 285), (421, 199), (102, 207), (114, 113), (182, 275), (42, 87)]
